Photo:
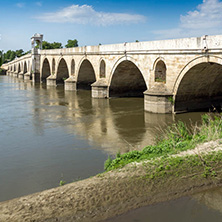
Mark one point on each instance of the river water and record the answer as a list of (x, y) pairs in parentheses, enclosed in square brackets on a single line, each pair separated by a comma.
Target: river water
[(48, 134)]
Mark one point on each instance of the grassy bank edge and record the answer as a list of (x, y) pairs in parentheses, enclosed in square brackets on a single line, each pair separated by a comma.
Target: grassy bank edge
[(175, 139), (201, 166)]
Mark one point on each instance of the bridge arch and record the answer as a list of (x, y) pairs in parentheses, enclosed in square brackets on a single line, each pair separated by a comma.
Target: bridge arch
[(85, 75), (198, 85), (126, 79), (45, 71), (25, 67), (19, 67), (62, 71), (29, 67)]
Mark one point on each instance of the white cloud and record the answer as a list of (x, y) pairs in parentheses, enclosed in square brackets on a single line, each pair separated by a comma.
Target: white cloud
[(20, 5), (205, 20), (85, 14)]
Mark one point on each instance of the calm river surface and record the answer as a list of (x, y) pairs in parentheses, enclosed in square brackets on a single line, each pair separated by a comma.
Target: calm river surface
[(48, 135)]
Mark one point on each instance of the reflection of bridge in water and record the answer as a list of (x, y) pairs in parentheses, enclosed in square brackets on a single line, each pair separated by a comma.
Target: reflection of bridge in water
[(173, 75), (211, 198), (116, 124)]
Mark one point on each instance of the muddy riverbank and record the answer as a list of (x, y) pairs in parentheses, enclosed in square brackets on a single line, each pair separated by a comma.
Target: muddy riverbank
[(118, 191)]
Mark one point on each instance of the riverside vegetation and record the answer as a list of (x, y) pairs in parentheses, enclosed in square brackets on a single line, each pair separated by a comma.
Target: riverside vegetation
[(161, 159), (184, 161)]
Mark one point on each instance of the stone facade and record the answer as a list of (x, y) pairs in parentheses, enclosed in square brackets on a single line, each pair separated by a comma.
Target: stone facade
[(131, 69)]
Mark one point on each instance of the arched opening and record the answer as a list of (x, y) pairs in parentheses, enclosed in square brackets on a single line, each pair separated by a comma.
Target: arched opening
[(200, 88), (86, 75), (72, 67), (127, 81), (160, 72), (102, 71), (19, 68), (25, 67), (62, 72), (45, 70), (53, 67)]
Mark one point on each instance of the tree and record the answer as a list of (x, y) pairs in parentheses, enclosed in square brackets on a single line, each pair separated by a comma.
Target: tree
[(46, 45), (71, 43), (11, 55), (19, 52), (1, 57), (54, 45)]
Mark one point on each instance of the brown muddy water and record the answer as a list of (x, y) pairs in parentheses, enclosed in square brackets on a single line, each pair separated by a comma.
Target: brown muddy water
[(201, 207), (48, 135)]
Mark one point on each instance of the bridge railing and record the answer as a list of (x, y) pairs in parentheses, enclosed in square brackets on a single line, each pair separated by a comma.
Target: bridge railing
[(172, 45), (27, 56)]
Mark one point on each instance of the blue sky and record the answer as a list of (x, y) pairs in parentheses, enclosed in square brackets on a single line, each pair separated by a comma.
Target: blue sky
[(106, 22)]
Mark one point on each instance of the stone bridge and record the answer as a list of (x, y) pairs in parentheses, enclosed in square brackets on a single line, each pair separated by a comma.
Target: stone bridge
[(173, 76)]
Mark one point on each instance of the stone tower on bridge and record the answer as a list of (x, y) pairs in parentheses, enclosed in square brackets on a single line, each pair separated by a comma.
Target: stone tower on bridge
[(36, 41)]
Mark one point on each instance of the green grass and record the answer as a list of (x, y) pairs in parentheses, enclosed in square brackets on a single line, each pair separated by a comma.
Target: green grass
[(185, 166), (62, 183), (175, 139)]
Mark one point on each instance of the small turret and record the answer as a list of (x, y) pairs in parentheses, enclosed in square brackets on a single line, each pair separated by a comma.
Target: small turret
[(36, 41)]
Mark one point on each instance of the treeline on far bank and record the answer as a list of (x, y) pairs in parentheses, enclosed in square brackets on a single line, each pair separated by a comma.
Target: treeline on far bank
[(11, 55)]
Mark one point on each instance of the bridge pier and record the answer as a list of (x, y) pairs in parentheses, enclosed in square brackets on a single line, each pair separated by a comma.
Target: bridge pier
[(158, 100), (36, 77), (15, 74), (51, 81), (27, 76), (70, 84), (20, 75), (100, 89)]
